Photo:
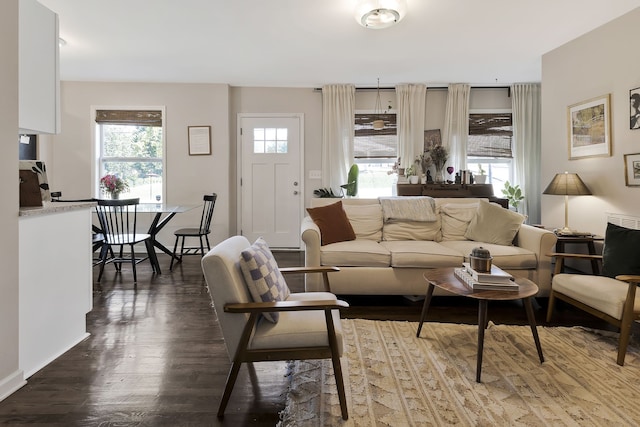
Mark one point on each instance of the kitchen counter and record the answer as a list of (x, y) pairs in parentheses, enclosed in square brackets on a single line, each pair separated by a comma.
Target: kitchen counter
[(56, 286), (55, 207)]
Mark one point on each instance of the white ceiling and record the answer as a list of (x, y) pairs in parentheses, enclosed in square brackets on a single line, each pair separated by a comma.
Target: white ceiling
[(308, 43)]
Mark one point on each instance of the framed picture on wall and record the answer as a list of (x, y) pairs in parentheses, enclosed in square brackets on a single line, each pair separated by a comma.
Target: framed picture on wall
[(432, 138), (634, 104), (632, 170), (199, 140), (589, 124)]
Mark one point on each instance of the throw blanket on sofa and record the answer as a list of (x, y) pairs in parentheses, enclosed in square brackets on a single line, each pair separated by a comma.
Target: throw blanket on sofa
[(420, 208)]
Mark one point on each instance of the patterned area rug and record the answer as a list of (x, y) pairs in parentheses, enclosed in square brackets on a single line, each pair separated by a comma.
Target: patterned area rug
[(393, 378)]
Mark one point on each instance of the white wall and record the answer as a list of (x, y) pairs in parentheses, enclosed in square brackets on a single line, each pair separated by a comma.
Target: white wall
[(600, 62), (187, 178), (10, 376)]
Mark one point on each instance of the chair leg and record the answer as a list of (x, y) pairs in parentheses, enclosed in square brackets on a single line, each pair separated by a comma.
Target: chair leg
[(201, 246), (623, 343), (173, 257), (181, 249), (206, 237), (228, 388), (102, 262), (337, 367), (550, 307), (133, 264)]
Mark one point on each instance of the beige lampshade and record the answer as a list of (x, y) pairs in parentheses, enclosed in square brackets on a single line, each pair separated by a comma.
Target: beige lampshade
[(567, 184), (378, 124)]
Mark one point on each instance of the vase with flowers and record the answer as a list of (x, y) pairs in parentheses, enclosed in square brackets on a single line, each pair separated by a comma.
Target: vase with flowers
[(113, 186), (439, 157)]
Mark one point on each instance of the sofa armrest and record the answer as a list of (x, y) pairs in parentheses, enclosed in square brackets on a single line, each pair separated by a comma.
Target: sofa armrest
[(311, 238), (541, 242)]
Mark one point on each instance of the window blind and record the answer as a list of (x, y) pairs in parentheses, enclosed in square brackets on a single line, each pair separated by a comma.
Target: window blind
[(490, 135), (370, 143), (129, 117)]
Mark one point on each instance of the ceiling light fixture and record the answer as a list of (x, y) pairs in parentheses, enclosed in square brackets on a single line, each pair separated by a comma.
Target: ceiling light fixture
[(377, 123), (377, 14)]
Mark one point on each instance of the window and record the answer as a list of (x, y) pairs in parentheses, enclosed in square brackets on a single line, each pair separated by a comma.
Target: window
[(375, 152), (131, 146), (270, 140), (490, 146)]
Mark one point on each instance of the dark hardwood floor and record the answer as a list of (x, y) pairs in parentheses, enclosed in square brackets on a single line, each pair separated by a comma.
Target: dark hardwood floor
[(156, 356)]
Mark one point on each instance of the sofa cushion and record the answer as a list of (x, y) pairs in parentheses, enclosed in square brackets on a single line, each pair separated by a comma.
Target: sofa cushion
[(422, 254), (588, 289), (506, 257), (621, 251), (411, 230), (333, 223), (409, 208), (456, 218), (494, 224), (356, 253), (366, 220), (263, 278)]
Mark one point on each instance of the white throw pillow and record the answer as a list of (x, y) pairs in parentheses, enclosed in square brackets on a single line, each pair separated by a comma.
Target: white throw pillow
[(366, 220), (264, 280), (494, 224), (456, 218)]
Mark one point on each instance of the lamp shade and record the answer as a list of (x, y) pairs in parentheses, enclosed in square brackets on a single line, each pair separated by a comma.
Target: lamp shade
[(378, 14), (567, 184)]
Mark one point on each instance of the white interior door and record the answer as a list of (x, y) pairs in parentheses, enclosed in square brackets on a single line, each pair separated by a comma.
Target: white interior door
[(271, 196)]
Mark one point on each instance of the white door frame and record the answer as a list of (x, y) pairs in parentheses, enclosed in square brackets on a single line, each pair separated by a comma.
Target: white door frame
[(240, 117)]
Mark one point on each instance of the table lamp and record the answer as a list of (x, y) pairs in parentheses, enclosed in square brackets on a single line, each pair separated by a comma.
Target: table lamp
[(567, 184)]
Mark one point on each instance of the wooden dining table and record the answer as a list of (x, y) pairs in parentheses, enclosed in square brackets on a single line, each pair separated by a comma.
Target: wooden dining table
[(159, 221)]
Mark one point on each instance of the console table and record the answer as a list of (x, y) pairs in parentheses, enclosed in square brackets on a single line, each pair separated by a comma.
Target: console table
[(451, 190)]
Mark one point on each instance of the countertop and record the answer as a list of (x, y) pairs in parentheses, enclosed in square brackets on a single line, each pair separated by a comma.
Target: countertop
[(55, 207)]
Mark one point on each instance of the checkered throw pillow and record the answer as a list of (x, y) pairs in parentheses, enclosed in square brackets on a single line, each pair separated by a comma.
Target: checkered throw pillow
[(265, 282)]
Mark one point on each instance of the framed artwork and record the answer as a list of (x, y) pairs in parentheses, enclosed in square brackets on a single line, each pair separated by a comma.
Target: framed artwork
[(589, 124), (634, 104), (431, 138), (199, 140), (632, 170)]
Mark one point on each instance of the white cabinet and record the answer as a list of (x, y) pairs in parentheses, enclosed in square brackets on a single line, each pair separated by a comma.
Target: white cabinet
[(39, 79)]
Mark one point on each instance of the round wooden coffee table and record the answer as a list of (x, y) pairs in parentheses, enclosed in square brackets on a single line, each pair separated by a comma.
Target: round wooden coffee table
[(444, 278)]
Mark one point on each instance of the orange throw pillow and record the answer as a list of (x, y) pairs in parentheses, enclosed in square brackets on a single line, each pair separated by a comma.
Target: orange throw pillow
[(333, 223)]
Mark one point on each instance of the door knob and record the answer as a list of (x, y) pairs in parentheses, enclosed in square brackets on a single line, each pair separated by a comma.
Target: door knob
[(295, 183), (295, 193)]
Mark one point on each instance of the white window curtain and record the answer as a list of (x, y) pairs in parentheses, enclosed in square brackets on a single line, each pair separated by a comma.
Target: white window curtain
[(456, 125), (338, 118), (411, 100), (526, 108)]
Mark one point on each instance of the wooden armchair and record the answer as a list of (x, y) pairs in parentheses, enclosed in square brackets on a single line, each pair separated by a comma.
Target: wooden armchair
[(612, 300), (308, 325)]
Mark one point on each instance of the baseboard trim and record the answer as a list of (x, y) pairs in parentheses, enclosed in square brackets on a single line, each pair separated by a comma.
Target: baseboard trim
[(11, 384)]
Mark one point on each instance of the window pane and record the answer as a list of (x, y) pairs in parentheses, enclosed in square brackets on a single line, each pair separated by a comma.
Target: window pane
[(258, 147), (374, 179), (282, 134), (145, 179), (270, 133), (282, 146), (258, 134), (131, 141), (270, 146)]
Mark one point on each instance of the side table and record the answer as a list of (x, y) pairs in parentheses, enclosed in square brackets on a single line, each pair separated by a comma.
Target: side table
[(588, 240)]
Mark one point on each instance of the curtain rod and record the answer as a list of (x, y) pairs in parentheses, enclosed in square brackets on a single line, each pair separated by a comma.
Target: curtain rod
[(390, 88)]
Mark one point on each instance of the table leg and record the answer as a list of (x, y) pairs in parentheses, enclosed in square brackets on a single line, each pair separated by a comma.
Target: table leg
[(425, 307), (154, 229), (482, 324), (595, 269), (532, 323)]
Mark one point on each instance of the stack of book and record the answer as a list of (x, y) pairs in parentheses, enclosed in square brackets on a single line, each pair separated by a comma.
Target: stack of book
[(496, 279)]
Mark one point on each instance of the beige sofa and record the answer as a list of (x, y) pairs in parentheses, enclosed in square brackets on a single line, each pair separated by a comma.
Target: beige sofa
[(389, 257)]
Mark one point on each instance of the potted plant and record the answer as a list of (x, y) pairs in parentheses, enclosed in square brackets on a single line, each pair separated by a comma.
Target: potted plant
[(481, 176), (412, 174), (113, 186), (513, 193)]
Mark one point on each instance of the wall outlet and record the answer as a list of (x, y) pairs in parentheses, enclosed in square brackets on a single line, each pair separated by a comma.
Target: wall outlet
[(315, 174)]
